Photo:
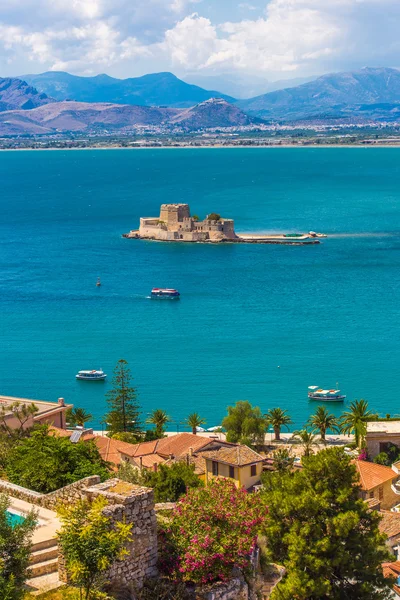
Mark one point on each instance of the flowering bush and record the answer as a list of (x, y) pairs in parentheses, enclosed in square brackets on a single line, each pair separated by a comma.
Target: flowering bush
[(211, 531)]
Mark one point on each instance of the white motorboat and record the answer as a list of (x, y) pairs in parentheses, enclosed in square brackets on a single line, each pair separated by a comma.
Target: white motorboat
[(91, 375)]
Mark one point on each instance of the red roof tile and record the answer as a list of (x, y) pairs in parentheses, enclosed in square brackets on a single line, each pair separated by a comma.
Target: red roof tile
[(372, 475)]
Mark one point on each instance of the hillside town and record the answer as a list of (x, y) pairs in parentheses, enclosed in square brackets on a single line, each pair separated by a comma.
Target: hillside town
[(171, 500)]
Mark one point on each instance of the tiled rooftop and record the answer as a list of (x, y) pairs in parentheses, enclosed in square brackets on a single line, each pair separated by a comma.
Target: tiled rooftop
[(237, 455), (372, 475), (390, 523)]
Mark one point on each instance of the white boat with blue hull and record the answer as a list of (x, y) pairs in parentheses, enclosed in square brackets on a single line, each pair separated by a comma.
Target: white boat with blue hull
[(317, 393), (91, 375)]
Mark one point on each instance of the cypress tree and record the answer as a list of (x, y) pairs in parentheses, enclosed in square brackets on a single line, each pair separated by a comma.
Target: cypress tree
[(124, 412)]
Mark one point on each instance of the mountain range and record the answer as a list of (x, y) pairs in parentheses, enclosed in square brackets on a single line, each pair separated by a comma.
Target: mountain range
[(163, 100), (100, 117), (156, 89), (370, 93)]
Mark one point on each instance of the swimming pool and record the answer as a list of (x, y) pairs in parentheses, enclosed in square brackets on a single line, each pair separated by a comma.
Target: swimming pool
[(14, 518)]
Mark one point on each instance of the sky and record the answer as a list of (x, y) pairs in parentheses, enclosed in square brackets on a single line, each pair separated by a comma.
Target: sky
[(272, 40)]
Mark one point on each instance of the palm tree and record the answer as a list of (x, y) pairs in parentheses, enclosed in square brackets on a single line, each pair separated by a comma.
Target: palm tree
[(283, 460), (278, 418), (194, 421), (322, 420), (159, 418), (307, 439), (78, 416), (355, 420)]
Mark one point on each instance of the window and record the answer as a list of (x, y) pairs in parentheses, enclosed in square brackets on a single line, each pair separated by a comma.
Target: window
[(214, 468), (381, 493), (232, 472), (253, 470), (371, 494)]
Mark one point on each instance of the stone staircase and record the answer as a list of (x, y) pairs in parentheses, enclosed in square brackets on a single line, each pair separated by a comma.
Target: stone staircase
[(43, 561)]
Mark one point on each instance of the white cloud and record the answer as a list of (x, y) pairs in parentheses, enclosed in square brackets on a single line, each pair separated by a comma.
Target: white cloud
[(128, 37)]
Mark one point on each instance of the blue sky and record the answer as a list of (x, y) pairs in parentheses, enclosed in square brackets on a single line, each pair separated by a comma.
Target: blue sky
[(274, 40)]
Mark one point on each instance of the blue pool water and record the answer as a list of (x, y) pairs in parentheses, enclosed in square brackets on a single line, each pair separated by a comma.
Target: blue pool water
[(256, 322), (15, 519)]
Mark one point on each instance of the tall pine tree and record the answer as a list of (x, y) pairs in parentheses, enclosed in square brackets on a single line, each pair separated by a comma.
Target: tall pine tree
[(323, 533), (124, 413)]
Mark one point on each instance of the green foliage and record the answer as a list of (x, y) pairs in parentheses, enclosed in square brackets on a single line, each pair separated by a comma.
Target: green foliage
[(194, 421), (389, 456), (159, 419), (278, 418), (322, 420), (46, 462), (169, 482), (124, 410), (324, 535), (355, 420), (213, 217), (283, 460), (195, 218), (307, 441), (22, 413), (127, 436), (211, 531), (244, 424), (15, 547), (78, 416), (90, 542)]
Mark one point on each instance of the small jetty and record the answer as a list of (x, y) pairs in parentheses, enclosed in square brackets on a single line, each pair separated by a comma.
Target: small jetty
[(175, 224)]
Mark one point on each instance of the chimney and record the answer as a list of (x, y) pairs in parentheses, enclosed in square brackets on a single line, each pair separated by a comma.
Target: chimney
[(155, 467), (171, 456), (61, 401), (191, 451), (140, 462)]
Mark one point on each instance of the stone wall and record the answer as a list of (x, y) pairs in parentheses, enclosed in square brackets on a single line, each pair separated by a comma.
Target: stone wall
[(68, 494), (234, 589), (131, 504)]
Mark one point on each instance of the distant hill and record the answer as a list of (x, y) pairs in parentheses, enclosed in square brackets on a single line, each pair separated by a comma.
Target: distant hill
[(66, 117), (15, 93), (371, 93), (156, 89)]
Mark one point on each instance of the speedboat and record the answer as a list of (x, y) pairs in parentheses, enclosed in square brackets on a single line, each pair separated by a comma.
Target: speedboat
[(91, 375), (165, 294), (317, 393)]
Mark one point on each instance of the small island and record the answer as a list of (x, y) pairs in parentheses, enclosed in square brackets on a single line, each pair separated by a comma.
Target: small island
[(175, 224)]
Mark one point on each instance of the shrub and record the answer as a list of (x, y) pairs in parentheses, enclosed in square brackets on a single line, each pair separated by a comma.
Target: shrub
[(213, 217), (45, 463), (211, 531)]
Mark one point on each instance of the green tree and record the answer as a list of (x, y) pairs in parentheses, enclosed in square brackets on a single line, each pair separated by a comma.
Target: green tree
[(124, 409), (169, 482), (78, 416), (283, 460), (159, 418), (245, 424), (194, 421), (45, 462), (213, 217), (389, 456), (355, 420), (22, 413), (15, 548), (323, 534), (278, 418), (322, 420), (307, 441), (90, 542)]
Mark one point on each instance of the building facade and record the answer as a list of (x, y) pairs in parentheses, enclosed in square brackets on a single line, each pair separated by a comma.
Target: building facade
[(176, 224)]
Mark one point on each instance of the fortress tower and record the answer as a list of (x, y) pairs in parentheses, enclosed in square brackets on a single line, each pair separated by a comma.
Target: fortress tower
[(173, 214)]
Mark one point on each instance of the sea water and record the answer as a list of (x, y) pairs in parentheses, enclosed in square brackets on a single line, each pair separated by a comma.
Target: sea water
[(254, 322)]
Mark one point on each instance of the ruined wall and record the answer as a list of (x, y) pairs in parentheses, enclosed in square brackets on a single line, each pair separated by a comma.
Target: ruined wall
[(67, 495), (131, 504)]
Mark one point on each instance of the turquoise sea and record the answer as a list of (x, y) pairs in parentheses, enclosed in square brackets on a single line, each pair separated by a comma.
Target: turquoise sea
[(256, 322)]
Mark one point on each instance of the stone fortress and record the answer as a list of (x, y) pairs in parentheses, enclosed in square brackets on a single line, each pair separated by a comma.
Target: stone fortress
[(176, 224)]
